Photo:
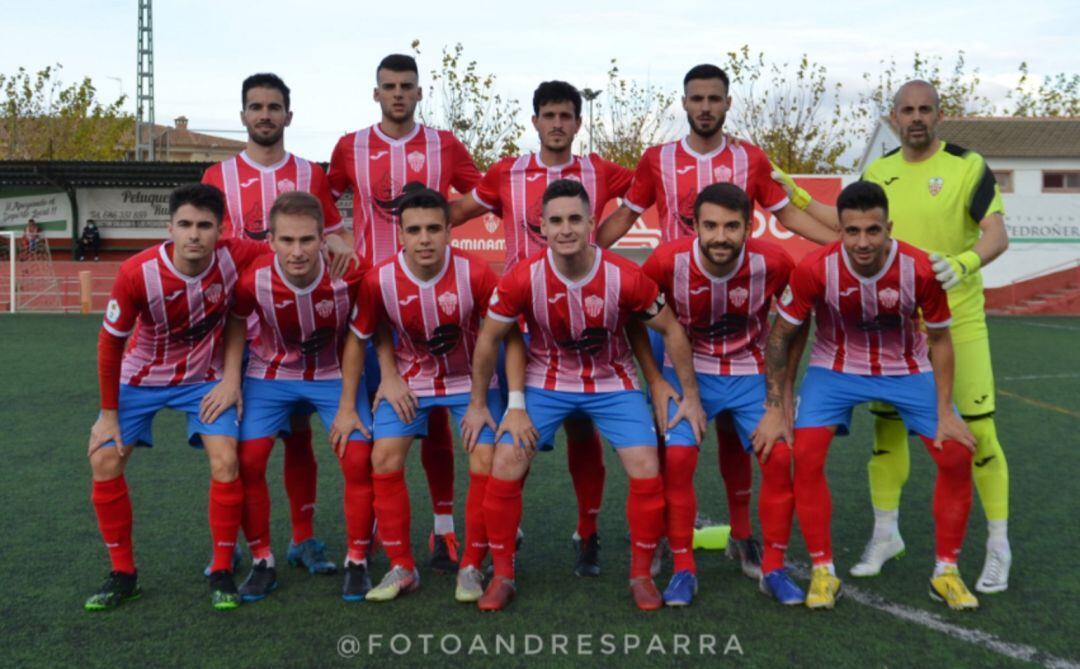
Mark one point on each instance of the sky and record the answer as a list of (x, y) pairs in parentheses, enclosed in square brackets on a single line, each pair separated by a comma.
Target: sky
[(327, 51)]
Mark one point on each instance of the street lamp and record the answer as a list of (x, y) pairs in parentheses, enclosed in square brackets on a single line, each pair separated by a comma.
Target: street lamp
[(590, 94)]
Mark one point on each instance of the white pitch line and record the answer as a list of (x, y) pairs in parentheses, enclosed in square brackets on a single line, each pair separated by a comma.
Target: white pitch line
[(1052, 326), (1016, 651), (1036, 377)]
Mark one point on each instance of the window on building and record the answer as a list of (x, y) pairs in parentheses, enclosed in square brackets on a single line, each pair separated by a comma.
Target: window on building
[(1061, 182), (1005, 180)]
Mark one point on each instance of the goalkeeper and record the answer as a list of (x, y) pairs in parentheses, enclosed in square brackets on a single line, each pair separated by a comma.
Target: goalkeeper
[(944, 199)]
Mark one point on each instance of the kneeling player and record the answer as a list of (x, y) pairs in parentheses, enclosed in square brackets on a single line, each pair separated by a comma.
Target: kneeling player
[(720, 284), (433, 297), (866, 292), (303, 316), (576, 300), (177, 295)]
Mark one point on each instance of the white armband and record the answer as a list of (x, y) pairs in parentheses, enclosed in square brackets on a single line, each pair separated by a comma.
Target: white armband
[(515, 399)]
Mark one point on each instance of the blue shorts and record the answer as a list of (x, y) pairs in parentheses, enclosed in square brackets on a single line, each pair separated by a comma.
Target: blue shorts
[(388, 424), (622, 416), (742, 396), (139, 404), (268, 404), (827, 398)]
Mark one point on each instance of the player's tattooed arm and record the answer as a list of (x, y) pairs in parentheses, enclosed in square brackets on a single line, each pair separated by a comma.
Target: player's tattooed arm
[(485, 355), (775, 425), (227, 392), (942, 360)]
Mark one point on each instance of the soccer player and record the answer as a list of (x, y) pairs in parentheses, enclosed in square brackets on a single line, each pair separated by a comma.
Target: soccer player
[(252, 181), (176, 294), (576, 300), (943, 199), (720, 284), (670, 176), (303, 314), (433, 297), (868, 293), (376, 163), (514, 187)]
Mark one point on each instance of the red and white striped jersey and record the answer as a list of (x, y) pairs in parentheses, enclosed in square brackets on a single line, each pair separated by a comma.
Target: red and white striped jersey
[(376, 167), (577, 341), (868, 326), (726, 317), (436, 321), (301, 330), (250, 190), (514, 189), (671, 176), (178, 320)]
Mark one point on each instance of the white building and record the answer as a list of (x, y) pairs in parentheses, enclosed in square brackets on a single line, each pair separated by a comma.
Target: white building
[(1037, 164)]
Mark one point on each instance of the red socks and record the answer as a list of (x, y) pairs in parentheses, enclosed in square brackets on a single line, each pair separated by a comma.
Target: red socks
[(301, 480), (359, 498), (737, 471), (112, 504), (254, 455), (680, 463), (476, 536), (813, 503), (645, 515), (952, 498), (226, 510), (585, 459), (437, 457), (776, 504), (392, 511), (502, 515)]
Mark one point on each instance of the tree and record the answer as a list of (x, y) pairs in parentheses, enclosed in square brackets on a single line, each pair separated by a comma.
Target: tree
[(1057, 95), (790, 111), (42, 119), (631, 118), (468, 105)]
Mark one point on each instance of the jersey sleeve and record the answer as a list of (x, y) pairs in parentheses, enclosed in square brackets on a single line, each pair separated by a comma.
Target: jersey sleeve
[(320, 188), (933, 302), (368, 309), (798, 299), (641, 193), (124, 303), (483, 288), (767, 193), (780, 268), (246, 251), (486, 192), (244, 301), (464, 175), (654, 267), (337, 174), (644, 298), (985, 192), (618, 178), (509, 300)]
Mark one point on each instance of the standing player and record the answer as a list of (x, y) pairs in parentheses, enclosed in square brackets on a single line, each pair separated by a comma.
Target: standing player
[(376, 163), (720, 284), (868, 293), (177, 295), (252, 182), (303, 314), (514, 187), (433, 298), (671, 176), (576, 300)]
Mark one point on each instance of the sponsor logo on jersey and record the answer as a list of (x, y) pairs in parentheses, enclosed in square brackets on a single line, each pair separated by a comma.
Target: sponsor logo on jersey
[(317, 341), (197, 332), (890, 180), (112, 312), (882, 322), (594, 304), (324, 308), (722, 173), (416, 160), (282, 304), (554, 299), (699, 290), (448, 303), (848, 291), (286, 186), (377, 155), (213, 293), (248, 182), (984, 461), (533, 177), (684, 169), (591, 342), (173, 295), (738, 296), (445, 339), (726, 326), (408, 300), (935, 184), (888, 297)]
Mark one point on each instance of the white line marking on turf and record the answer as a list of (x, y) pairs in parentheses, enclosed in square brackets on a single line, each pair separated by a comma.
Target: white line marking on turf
[(1052, 326), (1017, 651), (1037, 377)]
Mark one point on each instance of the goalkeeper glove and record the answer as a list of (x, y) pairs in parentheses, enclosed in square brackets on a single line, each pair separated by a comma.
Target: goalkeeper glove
[(799, 197), (951, 270)]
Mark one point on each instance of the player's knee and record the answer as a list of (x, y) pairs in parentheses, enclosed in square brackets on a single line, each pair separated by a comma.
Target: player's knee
[(107, 463), (387, 460), (640, 461), (508, 463), (481, 459)]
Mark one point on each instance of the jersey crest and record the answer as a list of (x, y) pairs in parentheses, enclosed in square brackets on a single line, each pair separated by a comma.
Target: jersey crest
[(448, 303), (935, 184), (594, 304), (324, 308)]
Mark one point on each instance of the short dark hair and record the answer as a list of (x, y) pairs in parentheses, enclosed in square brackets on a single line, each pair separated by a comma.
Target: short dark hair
[(398, 62), (726, 195), (416, 195), (862, 196), (264, 80), (565, 188), (297, 203), (706, 71), (201, 196), (556, 91)]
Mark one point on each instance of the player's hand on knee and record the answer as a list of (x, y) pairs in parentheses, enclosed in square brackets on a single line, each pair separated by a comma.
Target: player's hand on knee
[(662, 392), (394, 390), (473, 423), (953, 428), (105, 429), (691, 411), (218, 400), (519, 426), (345, 423), (773, 427)]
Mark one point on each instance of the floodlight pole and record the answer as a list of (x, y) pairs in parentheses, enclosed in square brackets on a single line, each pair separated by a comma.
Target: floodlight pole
[(590, 94)]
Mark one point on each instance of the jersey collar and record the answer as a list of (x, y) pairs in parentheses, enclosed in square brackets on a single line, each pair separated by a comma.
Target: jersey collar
[(704, 156), (412, 277), (166, 257), (293, 287), (580, 282), (394, 142), (243, 155), (884, 268), (563, 166), (712, 277)]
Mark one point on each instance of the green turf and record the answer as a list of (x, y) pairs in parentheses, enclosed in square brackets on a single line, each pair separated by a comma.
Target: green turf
[(53, 557)]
